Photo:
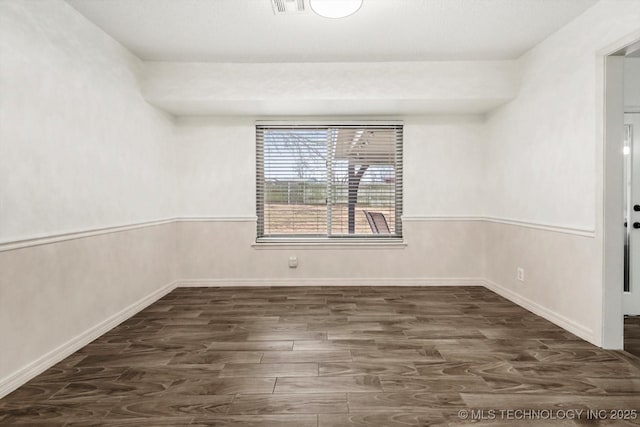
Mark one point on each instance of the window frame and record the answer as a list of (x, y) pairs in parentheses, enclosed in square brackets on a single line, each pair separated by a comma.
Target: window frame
[(331, 239)]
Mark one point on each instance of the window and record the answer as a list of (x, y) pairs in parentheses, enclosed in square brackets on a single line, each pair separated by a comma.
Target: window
[(338, 181)]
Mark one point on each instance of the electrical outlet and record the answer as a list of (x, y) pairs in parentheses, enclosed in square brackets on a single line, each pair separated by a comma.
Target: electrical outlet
[(520, 274), (293, 262)]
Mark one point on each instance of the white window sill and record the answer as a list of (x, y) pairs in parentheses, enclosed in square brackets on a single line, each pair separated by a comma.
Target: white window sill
[(324, 243)]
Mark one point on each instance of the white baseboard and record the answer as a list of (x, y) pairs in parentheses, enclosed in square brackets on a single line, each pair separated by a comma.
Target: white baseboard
[(466, 281), (35, 368), (560, 320)]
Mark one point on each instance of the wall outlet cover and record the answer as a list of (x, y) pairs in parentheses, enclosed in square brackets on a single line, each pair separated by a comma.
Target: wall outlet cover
[(293, 262)]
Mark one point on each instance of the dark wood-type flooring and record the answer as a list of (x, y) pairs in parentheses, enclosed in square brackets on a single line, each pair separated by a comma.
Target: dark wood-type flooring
[(328, 357), (632, 335)]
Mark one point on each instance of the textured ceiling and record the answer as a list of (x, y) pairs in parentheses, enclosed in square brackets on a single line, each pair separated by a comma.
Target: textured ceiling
[(383, 30)]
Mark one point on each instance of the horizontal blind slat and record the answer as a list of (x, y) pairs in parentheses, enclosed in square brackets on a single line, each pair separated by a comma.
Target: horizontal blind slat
[(304, 177)]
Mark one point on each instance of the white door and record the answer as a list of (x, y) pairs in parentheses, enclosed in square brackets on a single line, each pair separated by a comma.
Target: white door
[(631, 298)]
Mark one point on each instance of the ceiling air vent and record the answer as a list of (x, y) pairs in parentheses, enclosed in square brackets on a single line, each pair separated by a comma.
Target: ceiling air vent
[(288, 7)]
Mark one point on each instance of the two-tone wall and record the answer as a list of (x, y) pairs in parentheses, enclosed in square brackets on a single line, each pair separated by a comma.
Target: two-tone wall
[(443, 196), (107, 202), (544, 156), (521, 188), (84, 160)]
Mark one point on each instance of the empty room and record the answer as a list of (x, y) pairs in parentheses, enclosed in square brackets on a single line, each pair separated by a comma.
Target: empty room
[(319, 213)]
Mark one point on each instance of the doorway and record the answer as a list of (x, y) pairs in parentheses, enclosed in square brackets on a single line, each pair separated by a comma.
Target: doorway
[(621, 197), (631, 152)]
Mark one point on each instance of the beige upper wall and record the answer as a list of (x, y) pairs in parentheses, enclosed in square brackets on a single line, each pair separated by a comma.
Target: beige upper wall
[(79, 146)]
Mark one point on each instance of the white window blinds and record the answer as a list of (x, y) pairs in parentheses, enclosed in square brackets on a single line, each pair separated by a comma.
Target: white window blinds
[(329, 181)]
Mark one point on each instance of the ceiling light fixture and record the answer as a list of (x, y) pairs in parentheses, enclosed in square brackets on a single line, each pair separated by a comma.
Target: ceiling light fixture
[(335, 8)]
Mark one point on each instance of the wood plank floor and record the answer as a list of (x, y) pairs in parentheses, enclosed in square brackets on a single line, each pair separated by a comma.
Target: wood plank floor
[(327, 357), (632, 335)]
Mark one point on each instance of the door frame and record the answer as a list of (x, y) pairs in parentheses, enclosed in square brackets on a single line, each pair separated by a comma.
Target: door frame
[(631, 296), (610, 132)]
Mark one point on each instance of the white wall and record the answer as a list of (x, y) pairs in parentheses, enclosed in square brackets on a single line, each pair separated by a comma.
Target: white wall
[(80, 147), (216, 167), (632, 84), (443, 164), (436, 87), (544, 160)]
